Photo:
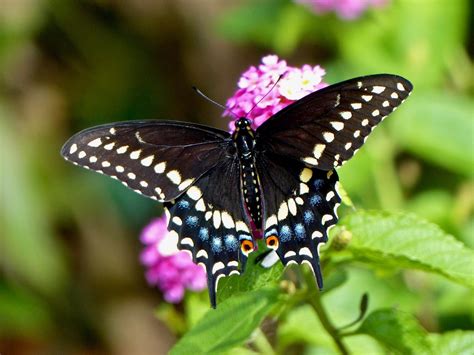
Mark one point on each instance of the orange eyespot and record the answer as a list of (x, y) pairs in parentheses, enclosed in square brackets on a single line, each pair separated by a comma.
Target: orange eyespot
[(272, 242), (246, 247)]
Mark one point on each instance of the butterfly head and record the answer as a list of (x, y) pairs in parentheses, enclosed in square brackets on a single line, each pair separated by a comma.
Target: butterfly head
[(243, 123)]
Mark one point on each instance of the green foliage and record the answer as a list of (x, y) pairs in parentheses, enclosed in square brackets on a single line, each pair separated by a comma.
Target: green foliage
[(255, 277), (229, 325), (455, 343), (400, 240), (398, 331)]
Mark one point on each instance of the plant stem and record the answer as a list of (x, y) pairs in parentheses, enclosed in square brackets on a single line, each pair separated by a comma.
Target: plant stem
[(262, 344), (315, 301)]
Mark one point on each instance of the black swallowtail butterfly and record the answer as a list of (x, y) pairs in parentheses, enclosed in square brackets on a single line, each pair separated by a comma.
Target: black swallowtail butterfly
[(215, 185)]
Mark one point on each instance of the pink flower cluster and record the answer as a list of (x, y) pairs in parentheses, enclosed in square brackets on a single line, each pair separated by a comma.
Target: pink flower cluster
[(345, 9), (257, 82), (172, 271)]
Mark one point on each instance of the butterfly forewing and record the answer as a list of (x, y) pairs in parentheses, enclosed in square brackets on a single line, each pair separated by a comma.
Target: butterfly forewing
[(159, 159), (326, 128)]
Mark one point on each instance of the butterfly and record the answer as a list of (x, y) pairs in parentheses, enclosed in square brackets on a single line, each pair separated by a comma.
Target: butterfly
[(219, 188)]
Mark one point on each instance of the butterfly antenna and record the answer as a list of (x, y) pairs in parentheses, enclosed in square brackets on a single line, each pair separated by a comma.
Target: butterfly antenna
[(214, 102), (264, 96)]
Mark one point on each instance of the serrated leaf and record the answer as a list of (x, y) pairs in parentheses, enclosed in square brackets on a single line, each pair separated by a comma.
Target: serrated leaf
[(406, 241), (453, 343), (229, 325), (399, 331)]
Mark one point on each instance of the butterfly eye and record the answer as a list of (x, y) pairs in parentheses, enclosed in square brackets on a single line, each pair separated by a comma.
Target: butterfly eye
[(272, 242), (246, 247)]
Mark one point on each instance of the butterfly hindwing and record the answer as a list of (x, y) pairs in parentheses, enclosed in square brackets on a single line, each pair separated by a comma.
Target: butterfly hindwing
[(326, 128), (159, 159), (300, 207), (209, 222)]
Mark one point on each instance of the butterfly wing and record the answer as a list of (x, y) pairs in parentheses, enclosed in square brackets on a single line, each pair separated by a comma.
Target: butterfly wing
[(158, 159), (326, 128), (183, 165), (300, 207), (209, 222)]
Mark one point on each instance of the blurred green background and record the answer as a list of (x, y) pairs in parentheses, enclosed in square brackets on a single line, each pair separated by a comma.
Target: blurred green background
[(70, 278)]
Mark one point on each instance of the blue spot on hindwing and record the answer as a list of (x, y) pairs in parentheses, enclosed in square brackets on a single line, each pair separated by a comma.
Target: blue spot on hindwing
[(192, 221), (308, 217), (183, 204), (300, 232), (204, 234), (231, 242), (216, 245), (315, 200), (285, 233), (318, 184)]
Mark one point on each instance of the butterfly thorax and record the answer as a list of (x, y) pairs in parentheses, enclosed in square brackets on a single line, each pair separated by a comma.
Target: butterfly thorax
[(244, 140)]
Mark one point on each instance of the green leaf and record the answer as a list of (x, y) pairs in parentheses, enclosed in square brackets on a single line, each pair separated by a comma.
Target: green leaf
[(399, 331), (255, 277), (438, 128), (229, 325), (453, 343), (404, 240)]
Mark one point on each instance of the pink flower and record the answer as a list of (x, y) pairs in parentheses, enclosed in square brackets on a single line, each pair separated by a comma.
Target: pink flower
[(257, 82), (345, 9), (171, 270)]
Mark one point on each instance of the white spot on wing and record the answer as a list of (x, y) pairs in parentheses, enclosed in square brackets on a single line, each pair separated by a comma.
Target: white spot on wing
[(227, 220), (400, 87), (95, 143), (316, 234), (135, 154), (174, 176), (217, 266), (338, 126), (306, 251), (185, 184), (346, 114), (375, 113), (283, 211), (194, 192), (271, 221), (105, 164), (216, 219), (81, 154), (328, 136), (394, 95), (306, 174), (200, 206), (132, 176), (201, 254), (292, 207), (367, 98), (365, 122), (143, 183), (93, 159), (109, 146), (356, 105), (119, 168), (378, 89), (160, 168), (187, 241), (289, 254), (122, 149), (310, 160), (73, 148), (240, 226), (303, 189), (348, 146), (326, 218), (177, 220), (318, 150), (147, 161)]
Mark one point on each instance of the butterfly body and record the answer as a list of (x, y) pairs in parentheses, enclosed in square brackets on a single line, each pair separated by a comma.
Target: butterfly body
[(244, 140), (217, 187)]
